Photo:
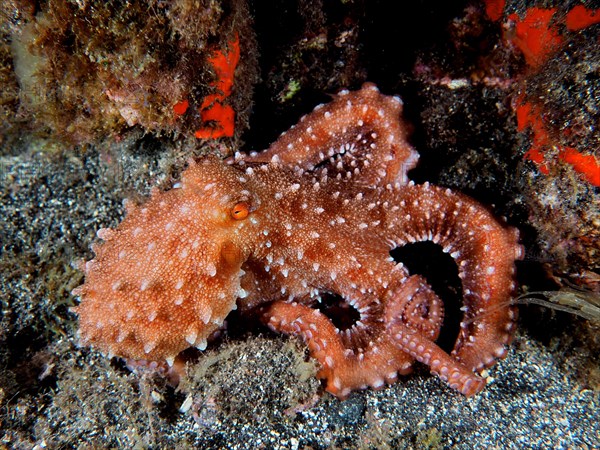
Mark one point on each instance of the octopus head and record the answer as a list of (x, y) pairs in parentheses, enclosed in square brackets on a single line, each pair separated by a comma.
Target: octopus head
[(168, 275), (225, 202)]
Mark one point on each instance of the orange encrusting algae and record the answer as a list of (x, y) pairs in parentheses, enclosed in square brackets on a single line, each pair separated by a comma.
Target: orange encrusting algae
[(213, 108), (181, 107), (586, 165), (494, 8), (224, 118), (535, 36), (580, 17), (529, 116)]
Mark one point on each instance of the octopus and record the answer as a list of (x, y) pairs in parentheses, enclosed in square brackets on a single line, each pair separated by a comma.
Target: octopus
[(274, 233)]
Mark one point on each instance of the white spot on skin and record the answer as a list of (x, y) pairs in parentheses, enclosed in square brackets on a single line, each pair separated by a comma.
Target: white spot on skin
[(191, 337), (378, 383), (205, 315), (211, 270), (149, 347)]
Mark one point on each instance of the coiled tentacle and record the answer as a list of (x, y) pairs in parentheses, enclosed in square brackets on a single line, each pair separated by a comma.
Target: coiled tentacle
[(484, 251), (370, 352)]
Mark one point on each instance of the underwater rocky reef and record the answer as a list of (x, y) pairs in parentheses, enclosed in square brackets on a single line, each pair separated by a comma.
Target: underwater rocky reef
[(102, 101)]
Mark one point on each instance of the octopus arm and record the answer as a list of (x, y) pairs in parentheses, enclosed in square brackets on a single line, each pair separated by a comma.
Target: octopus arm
[(358, 134), (414, 317), (379, 346), (343, 369), (484, 251)]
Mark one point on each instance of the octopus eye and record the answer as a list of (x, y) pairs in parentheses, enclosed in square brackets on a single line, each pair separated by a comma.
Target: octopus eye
[(240, 211)]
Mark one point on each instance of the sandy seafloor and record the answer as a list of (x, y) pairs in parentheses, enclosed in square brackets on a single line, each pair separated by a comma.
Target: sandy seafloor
[(253, 392)]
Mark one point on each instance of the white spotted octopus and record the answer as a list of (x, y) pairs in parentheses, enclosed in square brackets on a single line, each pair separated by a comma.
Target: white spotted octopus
[(317, 213)]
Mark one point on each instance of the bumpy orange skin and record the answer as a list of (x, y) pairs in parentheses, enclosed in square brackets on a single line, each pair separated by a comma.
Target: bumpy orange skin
[(317, 213)]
